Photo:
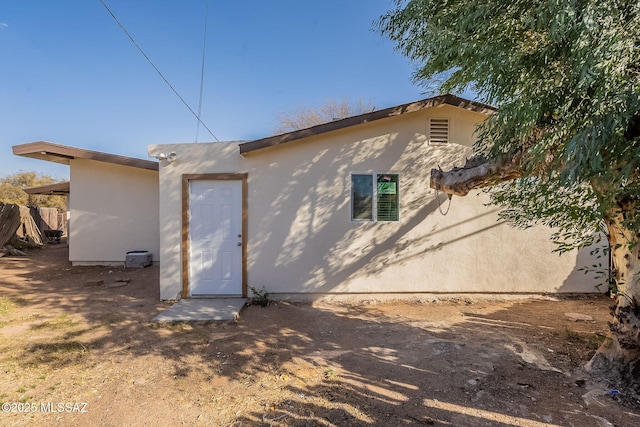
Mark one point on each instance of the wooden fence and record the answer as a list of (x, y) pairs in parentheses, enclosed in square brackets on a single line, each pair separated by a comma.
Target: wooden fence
[(48, 218)]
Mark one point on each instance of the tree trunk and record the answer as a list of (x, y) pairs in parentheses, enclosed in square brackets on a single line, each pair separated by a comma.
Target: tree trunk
[(618, 358), (619, 355)]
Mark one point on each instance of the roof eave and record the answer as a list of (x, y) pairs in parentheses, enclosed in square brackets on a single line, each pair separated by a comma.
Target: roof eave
[(44, 150), (57, 189), (448, 99)]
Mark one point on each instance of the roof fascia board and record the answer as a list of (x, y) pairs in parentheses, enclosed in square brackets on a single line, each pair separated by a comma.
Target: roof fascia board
[(448, 99), (58, 188), (49, 151)]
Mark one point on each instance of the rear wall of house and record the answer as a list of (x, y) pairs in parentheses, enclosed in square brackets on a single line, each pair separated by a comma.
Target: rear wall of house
[(113, 210), (302, 242)]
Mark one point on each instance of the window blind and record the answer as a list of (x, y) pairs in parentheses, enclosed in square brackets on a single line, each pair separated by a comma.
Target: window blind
[(387, 197)]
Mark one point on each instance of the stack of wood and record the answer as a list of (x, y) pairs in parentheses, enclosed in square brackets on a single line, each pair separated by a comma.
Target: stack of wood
[(16, 222), (11, 251), (9, 222)]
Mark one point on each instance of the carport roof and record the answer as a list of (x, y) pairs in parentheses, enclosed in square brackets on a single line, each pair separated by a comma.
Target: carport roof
[(44, 150), (57, 189)]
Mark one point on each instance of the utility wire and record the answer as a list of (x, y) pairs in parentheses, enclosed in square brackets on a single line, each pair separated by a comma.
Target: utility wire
[(204, 47), (157, 70)]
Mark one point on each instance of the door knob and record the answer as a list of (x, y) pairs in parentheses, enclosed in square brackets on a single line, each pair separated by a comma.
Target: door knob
[(239, 243)]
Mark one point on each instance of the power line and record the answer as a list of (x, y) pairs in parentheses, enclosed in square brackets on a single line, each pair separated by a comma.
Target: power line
[(204, 47), (157, 70)]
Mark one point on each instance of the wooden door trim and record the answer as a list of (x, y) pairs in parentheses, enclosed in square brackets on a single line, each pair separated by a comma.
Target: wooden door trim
[(185, 250)]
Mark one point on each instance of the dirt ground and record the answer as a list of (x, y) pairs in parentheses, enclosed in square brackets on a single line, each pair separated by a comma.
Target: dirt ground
[(76, 353)]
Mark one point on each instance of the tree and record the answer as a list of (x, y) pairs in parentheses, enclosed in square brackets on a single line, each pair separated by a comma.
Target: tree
[(563, 149), (12, 186), (305, 117)]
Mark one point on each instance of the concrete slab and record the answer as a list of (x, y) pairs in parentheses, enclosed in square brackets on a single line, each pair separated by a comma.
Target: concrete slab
[(202, 310)]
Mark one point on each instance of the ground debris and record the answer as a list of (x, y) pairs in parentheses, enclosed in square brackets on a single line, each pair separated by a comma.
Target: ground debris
[(11, 251), (577, 317), (118, 283)]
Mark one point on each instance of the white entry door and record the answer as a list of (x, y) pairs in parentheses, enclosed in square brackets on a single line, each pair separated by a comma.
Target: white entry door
[(215, 237)]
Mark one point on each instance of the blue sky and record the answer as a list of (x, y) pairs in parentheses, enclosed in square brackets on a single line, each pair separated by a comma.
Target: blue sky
[(69, 74)]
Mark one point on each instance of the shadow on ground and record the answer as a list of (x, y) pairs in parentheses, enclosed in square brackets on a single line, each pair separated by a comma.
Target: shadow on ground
[(461, 363)]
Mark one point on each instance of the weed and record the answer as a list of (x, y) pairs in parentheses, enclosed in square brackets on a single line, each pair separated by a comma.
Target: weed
[(260, 297), (590, 340), (31, 316), (21, 390), (7, 304), (572, 336), (64, 347), (176, 326), (596, 340), (61, 322), (55, 354)]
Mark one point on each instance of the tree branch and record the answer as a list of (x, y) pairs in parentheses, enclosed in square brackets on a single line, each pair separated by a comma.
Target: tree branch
[(477, 172)]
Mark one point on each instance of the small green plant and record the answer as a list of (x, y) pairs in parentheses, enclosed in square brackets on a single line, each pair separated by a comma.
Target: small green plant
[(260, 297), (7, 304), (572, 336), (21, 390), (63, 321), (589, 340)]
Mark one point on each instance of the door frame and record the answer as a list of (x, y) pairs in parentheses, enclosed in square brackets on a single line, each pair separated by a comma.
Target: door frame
[(185, 249)]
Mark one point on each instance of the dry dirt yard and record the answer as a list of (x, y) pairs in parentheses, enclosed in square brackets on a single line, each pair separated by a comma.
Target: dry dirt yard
[(74, 353)]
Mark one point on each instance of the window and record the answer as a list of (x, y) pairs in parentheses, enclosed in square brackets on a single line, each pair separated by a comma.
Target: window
[(362, 197), (438, 131), (375, 197)]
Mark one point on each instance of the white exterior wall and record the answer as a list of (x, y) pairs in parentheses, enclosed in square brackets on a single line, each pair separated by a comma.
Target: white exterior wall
[(113, 210), (301, 238)]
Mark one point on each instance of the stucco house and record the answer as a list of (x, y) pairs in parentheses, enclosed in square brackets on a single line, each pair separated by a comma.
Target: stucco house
[(344, 208), (113, 202)]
